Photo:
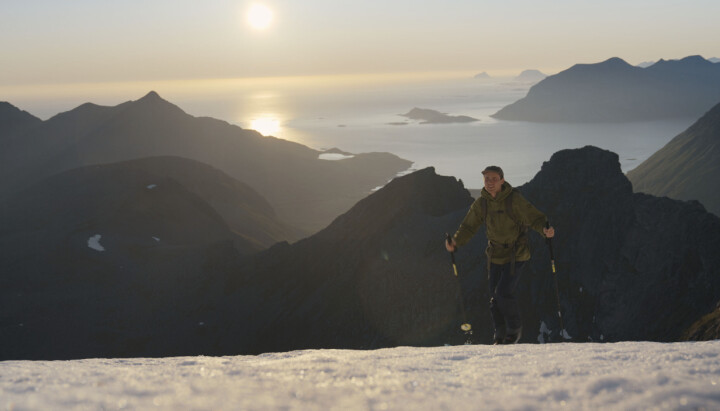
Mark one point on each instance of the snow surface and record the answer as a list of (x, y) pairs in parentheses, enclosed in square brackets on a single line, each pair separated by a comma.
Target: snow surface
[(628, 375), (94, 243), (334, 156)]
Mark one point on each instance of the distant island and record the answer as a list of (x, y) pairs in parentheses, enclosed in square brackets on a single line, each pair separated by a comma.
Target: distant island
[(530, 76), (482, 76), (428, 116), (615, 91)]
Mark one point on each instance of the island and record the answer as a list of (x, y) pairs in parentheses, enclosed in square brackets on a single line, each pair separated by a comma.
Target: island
[(428, 116)]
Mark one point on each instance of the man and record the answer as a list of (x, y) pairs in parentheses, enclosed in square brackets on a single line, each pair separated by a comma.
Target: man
[(506, 215)]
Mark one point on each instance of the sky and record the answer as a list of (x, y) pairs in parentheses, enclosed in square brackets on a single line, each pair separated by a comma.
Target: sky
[(571, 376), (85, 41)]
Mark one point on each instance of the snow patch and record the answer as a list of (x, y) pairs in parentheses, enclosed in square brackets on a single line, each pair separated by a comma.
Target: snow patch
[(94, 243), (156, 239), (334, 156), (151, 186)]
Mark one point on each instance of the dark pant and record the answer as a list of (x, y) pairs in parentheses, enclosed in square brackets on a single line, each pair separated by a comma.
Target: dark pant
[(503, 304)]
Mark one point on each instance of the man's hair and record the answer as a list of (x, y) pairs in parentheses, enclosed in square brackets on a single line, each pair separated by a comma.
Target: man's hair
[(494, 169)]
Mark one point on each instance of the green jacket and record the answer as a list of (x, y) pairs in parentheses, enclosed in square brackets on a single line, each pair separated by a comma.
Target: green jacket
[(501, 229)]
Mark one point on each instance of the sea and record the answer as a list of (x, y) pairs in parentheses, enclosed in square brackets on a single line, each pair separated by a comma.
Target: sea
[(363, 113)]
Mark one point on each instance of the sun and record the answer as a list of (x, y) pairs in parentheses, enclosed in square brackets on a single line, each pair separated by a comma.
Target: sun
[(259, 16)]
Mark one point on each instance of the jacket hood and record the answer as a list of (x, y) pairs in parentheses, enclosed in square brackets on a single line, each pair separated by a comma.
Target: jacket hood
[(506, 190)]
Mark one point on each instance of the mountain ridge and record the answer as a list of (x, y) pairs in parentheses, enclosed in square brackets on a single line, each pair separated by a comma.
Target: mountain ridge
[(615, 91), (305, 191), (686, 167)]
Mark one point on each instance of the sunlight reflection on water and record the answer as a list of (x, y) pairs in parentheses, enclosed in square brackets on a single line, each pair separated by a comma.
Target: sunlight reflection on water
[(360, 114)]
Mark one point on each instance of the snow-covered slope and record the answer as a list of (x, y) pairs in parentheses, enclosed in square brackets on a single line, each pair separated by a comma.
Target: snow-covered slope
[(629, 375)]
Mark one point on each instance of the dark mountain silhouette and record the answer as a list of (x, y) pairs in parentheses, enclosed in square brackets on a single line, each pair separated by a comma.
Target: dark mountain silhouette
[(105, 259), (305, 191), (686, 168), (14, 121), (245, 211), (428, 116), (379, 274), (630, 267), (615, 91)]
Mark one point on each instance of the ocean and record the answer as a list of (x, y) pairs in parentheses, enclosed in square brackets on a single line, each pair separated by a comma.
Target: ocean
[(362, 114)]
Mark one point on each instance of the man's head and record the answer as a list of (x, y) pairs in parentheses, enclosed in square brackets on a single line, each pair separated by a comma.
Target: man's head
[(494, 179)]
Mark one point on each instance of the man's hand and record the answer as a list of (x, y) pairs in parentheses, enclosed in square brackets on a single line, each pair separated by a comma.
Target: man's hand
[(450, 245), (549, 232)]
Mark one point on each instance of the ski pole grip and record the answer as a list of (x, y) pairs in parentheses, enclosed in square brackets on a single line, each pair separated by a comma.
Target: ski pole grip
[(550, 247)]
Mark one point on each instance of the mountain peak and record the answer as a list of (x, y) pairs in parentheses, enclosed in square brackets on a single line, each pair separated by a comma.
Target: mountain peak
[(587, 168), (422, 192), (14, 121), (154, 101), (614, 62), (152, 95)]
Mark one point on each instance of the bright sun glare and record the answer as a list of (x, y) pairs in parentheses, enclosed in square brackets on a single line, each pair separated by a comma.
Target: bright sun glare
[(259, 16), (266, 126)]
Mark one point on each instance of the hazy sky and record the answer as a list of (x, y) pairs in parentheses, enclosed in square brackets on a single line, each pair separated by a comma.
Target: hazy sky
[(61, 41)]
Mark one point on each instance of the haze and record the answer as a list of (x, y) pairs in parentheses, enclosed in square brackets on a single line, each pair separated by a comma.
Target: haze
[(51, 42)]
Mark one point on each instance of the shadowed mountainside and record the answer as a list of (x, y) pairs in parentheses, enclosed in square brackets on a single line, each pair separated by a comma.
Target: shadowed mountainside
[(630, 267), (615, 91), (14, 121), (686, 168), (379, 275), (109, 260), (305, 191)]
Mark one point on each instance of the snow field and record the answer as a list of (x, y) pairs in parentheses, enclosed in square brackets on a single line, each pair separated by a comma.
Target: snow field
[(628, 375)]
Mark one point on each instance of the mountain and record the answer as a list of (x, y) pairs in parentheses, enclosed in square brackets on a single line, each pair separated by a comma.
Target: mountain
[(615, 91), (379, 275), (686, 168), (530, 76), (305, 191), (14, 121), (482, 76), (244, 210), (108, 259), (630, 266)]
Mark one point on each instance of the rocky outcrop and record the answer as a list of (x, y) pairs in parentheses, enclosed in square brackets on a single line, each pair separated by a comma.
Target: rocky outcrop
[(686, 168), (705, 329), (615, 91)]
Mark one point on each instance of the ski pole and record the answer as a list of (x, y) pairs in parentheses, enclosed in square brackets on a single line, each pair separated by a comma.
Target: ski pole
[(465, 326), (557, 287)]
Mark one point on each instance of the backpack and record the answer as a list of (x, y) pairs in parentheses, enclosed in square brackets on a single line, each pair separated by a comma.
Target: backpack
[(508, 210)]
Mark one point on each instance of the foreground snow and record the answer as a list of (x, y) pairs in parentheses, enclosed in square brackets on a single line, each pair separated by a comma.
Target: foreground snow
[(571, 376)]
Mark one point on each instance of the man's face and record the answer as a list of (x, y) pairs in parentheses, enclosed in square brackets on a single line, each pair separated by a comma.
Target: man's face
[(493, 182)]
